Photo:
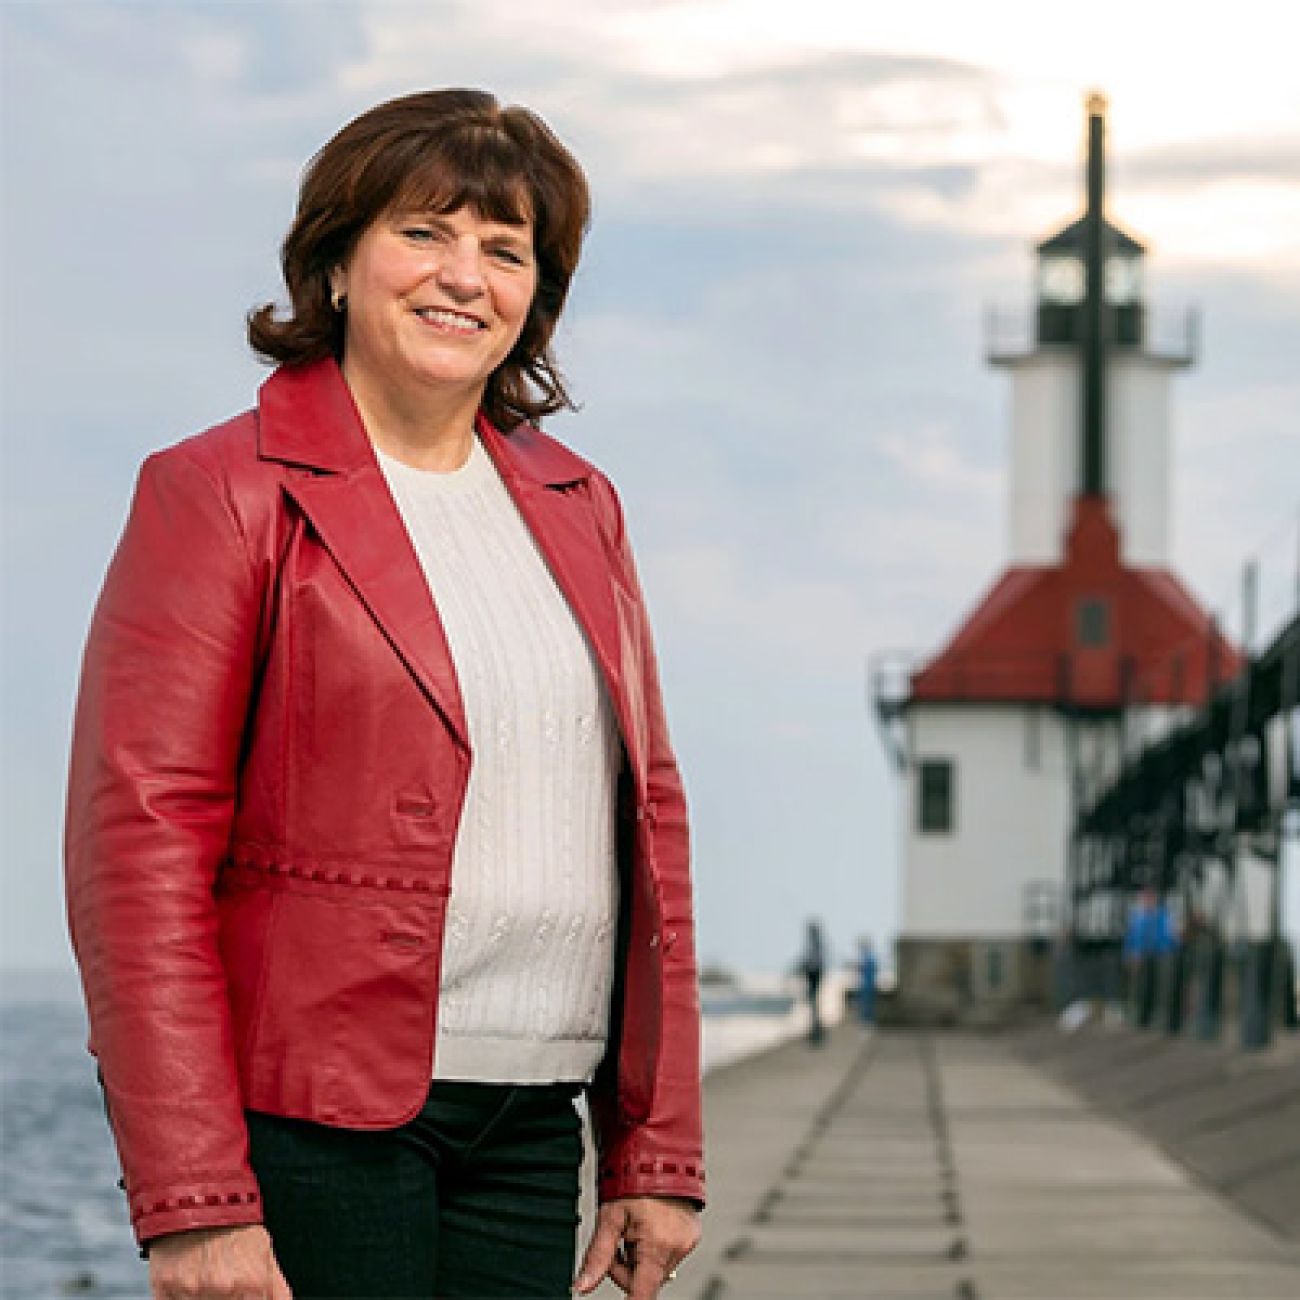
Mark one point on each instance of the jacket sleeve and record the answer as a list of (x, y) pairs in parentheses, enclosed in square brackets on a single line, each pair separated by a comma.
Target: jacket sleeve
[(661, 1155), (165, 687)]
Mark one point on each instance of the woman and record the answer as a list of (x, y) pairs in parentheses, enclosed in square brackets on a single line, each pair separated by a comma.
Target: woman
[(376, 847)]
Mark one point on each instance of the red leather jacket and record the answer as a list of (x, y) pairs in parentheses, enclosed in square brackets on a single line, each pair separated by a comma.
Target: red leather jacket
[(269, 760)]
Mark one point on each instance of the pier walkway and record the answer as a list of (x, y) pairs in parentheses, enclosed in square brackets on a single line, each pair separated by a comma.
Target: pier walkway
[(902, 1165)]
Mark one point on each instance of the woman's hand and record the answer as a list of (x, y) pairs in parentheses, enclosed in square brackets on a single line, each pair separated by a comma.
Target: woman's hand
[(234, 1263), (638, 1242)]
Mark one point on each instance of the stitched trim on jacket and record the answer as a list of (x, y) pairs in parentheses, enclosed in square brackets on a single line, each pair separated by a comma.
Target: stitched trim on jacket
[(190, 1202), (255, 859), (685, 1167)]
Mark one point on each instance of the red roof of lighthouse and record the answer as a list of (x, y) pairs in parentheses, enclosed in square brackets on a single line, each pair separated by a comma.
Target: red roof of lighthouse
[(1090, 632)]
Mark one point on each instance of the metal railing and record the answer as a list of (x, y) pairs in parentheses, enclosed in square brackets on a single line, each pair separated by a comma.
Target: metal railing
[(1171, 334)]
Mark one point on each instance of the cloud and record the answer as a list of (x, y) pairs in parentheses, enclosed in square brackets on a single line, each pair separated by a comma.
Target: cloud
[(1261, 157), (669, 95)]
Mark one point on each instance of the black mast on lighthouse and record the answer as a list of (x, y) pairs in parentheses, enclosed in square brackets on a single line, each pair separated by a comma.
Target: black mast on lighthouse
[(1093, 460)]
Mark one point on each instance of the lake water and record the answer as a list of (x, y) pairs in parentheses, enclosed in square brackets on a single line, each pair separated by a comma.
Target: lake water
[(64, 1228)]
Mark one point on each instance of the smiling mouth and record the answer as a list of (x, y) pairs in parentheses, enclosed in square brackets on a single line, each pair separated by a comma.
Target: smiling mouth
[(454, 322)]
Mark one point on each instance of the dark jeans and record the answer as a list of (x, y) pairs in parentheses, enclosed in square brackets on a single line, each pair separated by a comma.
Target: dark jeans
[(476, 1198)]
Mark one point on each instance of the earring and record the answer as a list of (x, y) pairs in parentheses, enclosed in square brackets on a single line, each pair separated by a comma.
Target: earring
[(338, 300)]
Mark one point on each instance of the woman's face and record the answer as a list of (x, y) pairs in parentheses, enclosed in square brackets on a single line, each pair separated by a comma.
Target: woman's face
[(435, 302)]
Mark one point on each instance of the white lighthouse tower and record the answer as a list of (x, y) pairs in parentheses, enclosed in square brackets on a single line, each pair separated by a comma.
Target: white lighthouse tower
[(993, 733)]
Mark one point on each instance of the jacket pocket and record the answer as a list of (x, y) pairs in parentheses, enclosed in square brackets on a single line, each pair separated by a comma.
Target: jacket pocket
[(339, 1028)]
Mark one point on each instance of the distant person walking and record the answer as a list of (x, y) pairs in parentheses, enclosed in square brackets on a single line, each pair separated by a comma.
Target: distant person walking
[(868, 969), (812, 966), (1150, 930), (1150, 935)]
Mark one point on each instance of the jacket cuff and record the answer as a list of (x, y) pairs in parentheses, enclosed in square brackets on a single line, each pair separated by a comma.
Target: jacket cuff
[(216, 1203), (660, 1176)]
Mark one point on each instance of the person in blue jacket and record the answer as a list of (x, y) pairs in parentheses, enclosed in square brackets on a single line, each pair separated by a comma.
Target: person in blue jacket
[(1149, 936), (1150, 930), (868, 969)]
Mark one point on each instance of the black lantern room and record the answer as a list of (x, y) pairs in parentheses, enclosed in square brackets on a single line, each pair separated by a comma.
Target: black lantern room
[(1062, 286)]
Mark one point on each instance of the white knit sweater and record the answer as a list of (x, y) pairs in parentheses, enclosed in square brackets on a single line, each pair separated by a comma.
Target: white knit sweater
[(527, 962)]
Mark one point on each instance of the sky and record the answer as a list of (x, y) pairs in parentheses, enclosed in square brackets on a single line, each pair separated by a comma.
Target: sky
[(802, 213)]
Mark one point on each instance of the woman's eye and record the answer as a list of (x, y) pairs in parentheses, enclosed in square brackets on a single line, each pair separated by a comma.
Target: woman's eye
[(423, 234), (510, 256)]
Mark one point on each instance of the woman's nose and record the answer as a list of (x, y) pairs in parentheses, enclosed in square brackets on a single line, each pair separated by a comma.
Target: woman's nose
[(461, 269)]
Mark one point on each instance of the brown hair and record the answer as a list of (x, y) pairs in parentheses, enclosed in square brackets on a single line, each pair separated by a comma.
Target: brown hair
[(438, 150)]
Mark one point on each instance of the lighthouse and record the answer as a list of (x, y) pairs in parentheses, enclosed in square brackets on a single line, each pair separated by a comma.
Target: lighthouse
[(1086, 629)]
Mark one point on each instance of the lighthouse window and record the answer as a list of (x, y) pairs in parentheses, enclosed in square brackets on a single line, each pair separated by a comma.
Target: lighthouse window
[(1094, 623), (935, 795)]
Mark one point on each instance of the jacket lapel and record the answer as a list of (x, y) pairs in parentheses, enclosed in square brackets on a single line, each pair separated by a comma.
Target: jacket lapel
[(307, 419), (543, 480), (359, 524)]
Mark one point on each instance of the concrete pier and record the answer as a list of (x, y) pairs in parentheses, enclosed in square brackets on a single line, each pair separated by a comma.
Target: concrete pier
[(903, 1165)]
